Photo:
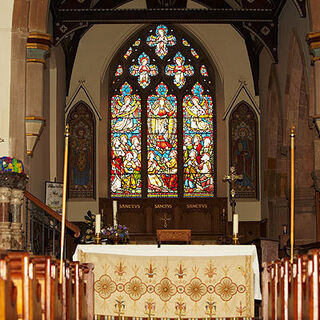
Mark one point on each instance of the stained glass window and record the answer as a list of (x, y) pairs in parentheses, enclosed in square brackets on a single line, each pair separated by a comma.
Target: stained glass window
[(162, 117), (81, 180), (162, 143), (126, 143), (198, 143), (243, 126)]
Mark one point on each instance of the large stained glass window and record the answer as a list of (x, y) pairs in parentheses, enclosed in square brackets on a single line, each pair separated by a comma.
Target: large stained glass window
[(162, 117)]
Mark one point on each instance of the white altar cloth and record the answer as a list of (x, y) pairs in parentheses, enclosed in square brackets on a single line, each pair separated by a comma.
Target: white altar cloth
[(180, 251)]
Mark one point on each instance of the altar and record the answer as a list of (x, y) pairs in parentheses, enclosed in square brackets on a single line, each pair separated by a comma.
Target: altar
[(174, 281)]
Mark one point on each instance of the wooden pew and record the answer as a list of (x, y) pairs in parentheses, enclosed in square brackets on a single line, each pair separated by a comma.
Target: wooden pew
[(28, 288), (78, 272), (89, 283), (68, 293), (292, 291), (8, 292), (51, 299)]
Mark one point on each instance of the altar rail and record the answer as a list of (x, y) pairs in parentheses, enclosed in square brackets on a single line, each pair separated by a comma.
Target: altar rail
[(291, 291), (30, 289), (43, 227)]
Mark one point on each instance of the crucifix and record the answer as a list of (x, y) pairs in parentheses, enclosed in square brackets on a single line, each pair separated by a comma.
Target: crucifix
[(165, 218), (232, 178)]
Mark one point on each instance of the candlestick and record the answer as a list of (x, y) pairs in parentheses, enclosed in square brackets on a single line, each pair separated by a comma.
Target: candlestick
[(235, 223), (115, 208), (292, 135), (98, 223), (98, 238)]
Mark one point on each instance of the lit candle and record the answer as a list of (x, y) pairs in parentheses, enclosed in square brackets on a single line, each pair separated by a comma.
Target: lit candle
[(115, 208), (235, 223), (98, 223)]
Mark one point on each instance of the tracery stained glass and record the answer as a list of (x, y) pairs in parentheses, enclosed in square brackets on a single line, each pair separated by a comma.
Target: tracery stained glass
[(162, 144), (128, 53), (137, 43), (144, 70), (161, 41), (203, 71), (198, 143), (185, 43), (179, 70), (119, 71), (126, 143), (194, 53)]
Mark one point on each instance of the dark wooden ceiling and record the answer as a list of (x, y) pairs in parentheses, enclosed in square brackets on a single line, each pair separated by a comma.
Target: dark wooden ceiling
[(255, 20)]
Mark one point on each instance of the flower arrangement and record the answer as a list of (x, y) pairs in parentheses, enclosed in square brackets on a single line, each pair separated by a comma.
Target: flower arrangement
[(115, 234), (109, 234)]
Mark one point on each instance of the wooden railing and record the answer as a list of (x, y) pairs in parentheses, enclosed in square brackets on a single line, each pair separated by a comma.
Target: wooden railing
[(43, 227), (291, 290)]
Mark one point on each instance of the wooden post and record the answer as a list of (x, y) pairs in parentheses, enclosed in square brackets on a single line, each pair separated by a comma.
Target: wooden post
[(292, 135), (64, 199)]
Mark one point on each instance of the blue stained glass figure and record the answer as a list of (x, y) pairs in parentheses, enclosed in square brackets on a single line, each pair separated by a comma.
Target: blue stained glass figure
[(179, 71), (161, 41), (144, 70)]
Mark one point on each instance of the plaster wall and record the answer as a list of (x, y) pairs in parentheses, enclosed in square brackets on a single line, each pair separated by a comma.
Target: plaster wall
[(5, 67), (225, 48)]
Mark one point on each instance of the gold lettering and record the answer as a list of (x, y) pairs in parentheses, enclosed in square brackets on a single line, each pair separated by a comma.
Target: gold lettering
[(129, 206), (163, 206), (197, 206)]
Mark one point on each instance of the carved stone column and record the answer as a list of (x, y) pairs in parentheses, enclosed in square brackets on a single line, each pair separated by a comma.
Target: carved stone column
[(16, 201), (12, 185), (5, 233)]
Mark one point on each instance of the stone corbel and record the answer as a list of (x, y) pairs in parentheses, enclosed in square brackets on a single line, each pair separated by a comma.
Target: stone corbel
[(38, 47), (34, 127)]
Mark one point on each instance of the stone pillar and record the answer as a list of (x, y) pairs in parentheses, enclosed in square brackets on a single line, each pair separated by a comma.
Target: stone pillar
[(16, 201), (38, 45), (5, 233)]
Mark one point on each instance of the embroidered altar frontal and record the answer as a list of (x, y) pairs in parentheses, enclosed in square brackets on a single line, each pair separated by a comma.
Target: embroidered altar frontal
[(171, 287)]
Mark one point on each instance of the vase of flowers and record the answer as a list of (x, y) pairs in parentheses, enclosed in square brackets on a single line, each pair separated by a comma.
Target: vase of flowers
[(115, 234)]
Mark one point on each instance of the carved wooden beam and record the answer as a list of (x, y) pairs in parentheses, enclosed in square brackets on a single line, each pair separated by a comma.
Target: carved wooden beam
[(217, 15)]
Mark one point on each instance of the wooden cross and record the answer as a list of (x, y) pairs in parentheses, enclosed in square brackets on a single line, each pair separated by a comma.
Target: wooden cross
[(1, 140), (232, 178), (165, 218)]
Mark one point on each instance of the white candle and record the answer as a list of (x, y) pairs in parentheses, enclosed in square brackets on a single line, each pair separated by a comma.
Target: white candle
[(98, 223), (115, 208), (235, 223)]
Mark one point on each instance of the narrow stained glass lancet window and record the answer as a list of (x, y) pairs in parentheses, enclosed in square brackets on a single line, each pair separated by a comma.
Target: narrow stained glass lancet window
[(162, 144), (126, 143), (81, 180), (243, 128), (198, 143)]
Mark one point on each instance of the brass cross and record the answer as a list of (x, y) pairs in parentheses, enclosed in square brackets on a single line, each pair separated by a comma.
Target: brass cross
[(232, 177), (165, 218)]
